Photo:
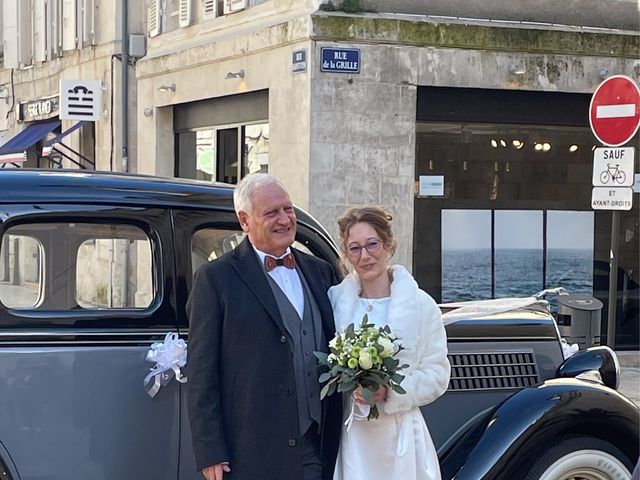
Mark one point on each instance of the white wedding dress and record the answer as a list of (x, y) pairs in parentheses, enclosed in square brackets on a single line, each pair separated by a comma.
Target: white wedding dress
[(397, 445)]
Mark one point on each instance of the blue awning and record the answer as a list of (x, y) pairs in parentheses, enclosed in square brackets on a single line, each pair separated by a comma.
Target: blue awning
[(28, 137), (57, 138)]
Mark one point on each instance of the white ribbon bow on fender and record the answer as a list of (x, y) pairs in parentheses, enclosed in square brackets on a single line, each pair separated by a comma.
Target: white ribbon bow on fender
[(169, 356)]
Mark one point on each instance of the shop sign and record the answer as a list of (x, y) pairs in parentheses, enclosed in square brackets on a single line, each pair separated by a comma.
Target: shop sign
[(40, 109), (431, 186), (80, 99), (340, 60)]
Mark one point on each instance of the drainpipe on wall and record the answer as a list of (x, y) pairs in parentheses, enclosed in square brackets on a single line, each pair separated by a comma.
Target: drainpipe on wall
[(125, 86)]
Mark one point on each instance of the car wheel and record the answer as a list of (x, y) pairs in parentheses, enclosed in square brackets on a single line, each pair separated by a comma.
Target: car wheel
[(582, 458)]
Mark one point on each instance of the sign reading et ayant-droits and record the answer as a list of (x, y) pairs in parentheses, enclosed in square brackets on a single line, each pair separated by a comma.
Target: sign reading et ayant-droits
[(340, 60), (613, 167), (604, 198)]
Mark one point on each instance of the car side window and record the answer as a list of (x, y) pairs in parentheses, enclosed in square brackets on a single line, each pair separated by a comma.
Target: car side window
[(76, 266), (207, 244)]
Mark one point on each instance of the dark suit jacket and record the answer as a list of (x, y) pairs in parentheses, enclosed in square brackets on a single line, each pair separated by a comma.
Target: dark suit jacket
[(241, 388)]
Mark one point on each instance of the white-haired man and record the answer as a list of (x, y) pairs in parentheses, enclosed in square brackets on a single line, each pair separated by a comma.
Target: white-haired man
[(256, 315)]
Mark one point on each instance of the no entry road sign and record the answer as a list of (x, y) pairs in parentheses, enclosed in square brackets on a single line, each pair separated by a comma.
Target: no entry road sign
[(614, 112)]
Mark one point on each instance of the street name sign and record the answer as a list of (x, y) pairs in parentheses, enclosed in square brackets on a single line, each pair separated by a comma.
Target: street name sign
[(614, 112), (613, 167), (340, 60), (299, 61), (603, 198)]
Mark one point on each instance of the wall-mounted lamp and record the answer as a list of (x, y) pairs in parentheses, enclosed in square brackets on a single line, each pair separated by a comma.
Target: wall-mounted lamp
[(517, 69), (4, 91), (170, 87), (238, 74), (148, 112)]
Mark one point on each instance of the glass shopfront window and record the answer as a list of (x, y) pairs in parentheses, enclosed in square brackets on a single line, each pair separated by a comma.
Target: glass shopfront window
[(515, 215), (223, 154)]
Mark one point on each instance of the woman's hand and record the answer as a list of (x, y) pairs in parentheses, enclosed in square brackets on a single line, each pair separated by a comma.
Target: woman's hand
[(379, 396)]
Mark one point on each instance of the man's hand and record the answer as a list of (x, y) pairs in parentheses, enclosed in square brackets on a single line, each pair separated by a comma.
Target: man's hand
[(215, 472)]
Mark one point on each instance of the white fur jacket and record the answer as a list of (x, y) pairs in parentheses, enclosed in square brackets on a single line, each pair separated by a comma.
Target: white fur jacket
[(416, 320)]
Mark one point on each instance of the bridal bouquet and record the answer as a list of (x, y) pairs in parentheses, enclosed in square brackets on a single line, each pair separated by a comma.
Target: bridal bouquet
[(362, 356)]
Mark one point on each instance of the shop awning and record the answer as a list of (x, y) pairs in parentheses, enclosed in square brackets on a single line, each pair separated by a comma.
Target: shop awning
[(28, 137), (57, 138)]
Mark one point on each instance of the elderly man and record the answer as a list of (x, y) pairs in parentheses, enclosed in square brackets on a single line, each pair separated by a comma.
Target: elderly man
[(256, 315)]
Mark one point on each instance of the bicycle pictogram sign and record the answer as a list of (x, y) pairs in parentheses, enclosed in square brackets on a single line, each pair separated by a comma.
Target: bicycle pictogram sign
[(613, 174)]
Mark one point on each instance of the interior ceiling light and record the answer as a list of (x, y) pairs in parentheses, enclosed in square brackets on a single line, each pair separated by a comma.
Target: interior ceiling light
[(546, 147), (503, 143), (573, 148), (494, 144), (537, 147), (518, 144)]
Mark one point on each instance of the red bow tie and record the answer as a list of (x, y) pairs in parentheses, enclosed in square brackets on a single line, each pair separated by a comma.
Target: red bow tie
[(287, 261)]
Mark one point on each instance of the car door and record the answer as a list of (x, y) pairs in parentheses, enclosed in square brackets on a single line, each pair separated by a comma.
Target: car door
[(84, 292), (200, 237)]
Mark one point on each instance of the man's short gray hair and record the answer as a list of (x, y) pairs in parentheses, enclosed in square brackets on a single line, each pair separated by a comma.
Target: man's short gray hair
[(243, 194)]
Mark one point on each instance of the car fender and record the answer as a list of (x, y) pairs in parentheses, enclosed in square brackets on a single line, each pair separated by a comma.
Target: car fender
[(7, 467), (531, 420)]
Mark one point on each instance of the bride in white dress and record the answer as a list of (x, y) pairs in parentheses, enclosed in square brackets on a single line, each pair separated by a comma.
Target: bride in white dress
[(397, 445)]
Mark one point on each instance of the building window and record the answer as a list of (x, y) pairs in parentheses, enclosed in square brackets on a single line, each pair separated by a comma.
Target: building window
[(223, 154)]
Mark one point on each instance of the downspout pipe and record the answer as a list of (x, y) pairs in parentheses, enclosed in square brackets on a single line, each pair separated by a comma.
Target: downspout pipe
[(125, 86)]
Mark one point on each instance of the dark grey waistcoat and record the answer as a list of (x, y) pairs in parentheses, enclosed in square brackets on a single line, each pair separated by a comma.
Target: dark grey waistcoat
[(305, 336)]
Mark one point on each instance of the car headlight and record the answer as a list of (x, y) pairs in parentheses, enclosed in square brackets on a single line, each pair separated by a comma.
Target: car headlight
[(601, 359)]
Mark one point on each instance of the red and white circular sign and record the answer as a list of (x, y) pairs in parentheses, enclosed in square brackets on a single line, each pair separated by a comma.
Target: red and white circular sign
[(614, 112)]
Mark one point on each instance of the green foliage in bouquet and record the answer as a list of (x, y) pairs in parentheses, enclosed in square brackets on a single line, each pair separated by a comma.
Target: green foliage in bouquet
[(362, 356)]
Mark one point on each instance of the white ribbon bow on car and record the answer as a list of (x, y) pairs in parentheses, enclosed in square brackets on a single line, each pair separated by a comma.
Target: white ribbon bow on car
[(169, 356)]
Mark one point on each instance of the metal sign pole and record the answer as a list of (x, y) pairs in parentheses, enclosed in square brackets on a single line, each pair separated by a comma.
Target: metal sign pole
[(613, 280)]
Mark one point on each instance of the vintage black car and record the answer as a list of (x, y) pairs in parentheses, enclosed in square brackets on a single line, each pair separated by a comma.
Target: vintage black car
[(95, 268)]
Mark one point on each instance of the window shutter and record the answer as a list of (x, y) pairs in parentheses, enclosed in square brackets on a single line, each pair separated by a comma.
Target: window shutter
[(40, 31), (10, 33), (185, 13), (209, 9), (25, 34), (154, 12), (69, 25), (55, 32), (89, 22), (232, 6)]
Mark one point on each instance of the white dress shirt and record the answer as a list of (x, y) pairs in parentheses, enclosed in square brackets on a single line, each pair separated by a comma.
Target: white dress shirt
[(288, 280)]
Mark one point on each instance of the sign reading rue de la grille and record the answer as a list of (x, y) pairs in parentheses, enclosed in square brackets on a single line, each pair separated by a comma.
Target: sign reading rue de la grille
[(340, 60)]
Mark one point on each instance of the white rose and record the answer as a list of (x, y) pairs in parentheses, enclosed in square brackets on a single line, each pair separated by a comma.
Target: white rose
[(333, 342), (365, 360), (388, 346)]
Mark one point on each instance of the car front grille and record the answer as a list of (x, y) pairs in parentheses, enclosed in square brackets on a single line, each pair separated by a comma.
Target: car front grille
[(492, 371)]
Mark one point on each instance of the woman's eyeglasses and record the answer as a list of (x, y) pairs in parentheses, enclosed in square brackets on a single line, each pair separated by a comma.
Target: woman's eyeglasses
[(355, 249)]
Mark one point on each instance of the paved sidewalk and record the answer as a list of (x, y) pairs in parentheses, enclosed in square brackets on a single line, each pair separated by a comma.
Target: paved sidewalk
[(630, 375)]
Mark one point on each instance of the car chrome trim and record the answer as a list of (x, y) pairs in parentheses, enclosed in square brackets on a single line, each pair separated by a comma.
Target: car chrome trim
[(591, 376), (616, 362), (43, 337), (492, 370)]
